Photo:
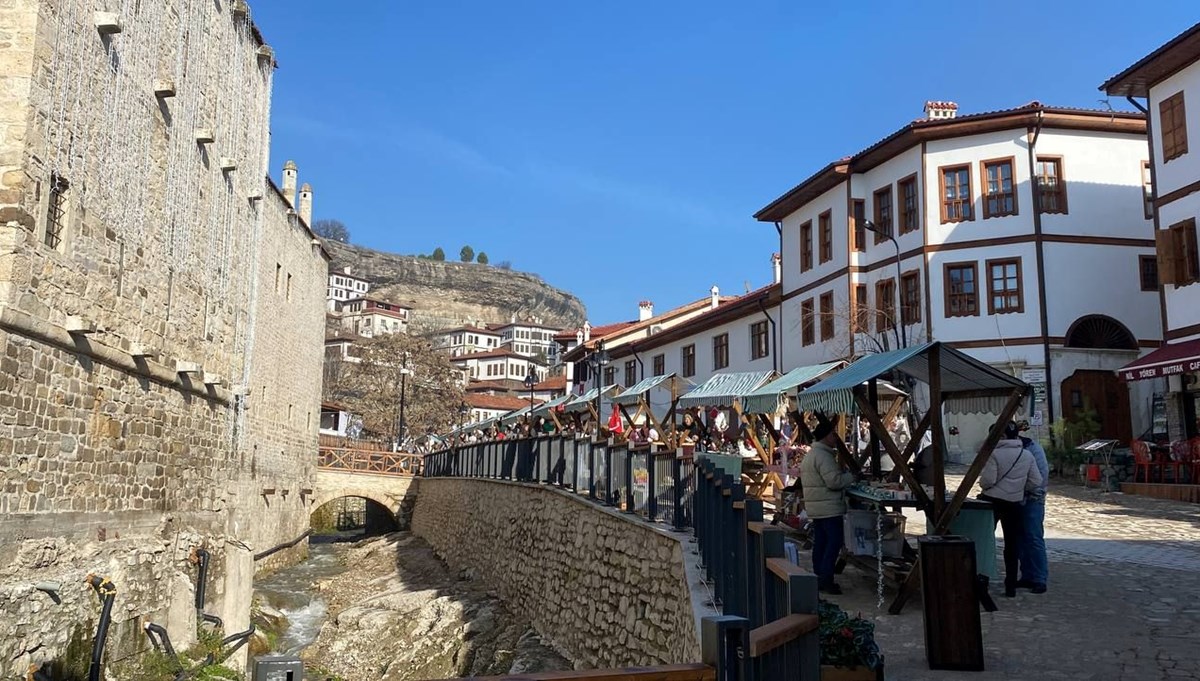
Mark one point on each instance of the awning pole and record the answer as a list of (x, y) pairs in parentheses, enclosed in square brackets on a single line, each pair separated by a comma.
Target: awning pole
[(935, 425)]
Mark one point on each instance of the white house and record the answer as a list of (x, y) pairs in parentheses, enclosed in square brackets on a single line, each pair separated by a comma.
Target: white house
[(370, 317), (464, 340), (501, 365), (344, 286), (586, 338), (1022, 238), (1169, 79), (734, 335), (528, 338)]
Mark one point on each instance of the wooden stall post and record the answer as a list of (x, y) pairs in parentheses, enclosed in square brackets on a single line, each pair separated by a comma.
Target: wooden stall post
[(889, 445), (873, 441), (935, 424)]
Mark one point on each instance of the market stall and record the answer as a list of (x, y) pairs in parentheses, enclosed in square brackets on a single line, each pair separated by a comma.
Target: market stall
[(724, 391), (957, 383), (585, 404), (638, 397)]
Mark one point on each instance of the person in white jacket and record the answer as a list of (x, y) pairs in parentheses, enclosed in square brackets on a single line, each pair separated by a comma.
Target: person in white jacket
[(1009, 473)]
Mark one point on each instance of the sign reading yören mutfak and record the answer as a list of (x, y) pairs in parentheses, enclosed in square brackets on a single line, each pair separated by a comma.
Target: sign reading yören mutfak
[(1182, 366)]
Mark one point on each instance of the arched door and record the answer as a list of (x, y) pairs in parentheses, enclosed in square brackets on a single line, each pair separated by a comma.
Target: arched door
[(1103, 393)]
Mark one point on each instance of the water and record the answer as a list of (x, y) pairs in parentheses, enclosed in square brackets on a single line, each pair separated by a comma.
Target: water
[(290, 591)]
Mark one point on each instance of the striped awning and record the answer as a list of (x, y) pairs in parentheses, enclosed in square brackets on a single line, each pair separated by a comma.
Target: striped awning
[(767, 398), (721, 390), (634, 393), (580, 403), (547, 406), (968, 385)]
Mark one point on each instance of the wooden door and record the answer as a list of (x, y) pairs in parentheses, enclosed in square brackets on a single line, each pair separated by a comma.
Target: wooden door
[(1104, 393)]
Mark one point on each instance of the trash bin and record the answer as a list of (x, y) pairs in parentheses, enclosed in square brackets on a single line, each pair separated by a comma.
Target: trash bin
[(953, 633)]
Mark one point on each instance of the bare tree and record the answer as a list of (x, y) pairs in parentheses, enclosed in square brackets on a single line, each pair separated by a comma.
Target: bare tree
[(371, 387), (334, 230)]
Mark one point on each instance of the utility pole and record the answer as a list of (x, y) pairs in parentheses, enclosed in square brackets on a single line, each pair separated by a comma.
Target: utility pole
[(404, 371)]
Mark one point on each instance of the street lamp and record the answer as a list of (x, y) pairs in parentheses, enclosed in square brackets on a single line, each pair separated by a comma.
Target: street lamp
[(530, 381), (901, 335), (596, 362), (402, 426)]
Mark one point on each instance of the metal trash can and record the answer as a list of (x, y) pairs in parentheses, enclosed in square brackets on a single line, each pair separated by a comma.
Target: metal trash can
[(953, 632), (277, 668)]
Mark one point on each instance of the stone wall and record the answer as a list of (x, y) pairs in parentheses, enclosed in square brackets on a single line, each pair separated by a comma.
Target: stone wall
[(604, 589), (137, 233)]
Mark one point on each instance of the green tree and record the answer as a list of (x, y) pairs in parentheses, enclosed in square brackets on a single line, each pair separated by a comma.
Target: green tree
[(439, 254), (467, 254), (482, 258)]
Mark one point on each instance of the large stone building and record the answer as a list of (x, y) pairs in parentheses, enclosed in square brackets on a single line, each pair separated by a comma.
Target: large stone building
[(161, 317)]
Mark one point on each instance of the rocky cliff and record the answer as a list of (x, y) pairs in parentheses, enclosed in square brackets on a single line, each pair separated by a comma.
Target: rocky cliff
[(449, 293)]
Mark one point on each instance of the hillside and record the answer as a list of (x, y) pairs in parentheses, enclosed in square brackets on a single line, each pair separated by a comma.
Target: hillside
[(447, 293)]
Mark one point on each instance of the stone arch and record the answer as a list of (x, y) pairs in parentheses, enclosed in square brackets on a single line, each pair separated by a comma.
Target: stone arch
[(1099, 332), (395, 493)]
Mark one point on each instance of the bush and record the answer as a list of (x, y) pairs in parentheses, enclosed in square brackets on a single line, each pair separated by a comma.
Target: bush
[(439, 254), (467, 254), (482, 258)]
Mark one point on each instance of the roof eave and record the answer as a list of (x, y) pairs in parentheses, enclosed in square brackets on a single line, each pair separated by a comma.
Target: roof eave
[(1177, 54)]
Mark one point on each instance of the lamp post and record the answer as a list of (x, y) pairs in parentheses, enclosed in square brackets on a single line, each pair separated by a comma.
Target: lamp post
[(596, 362), (402, 426), (530, 381), (463, 410), (901, 335)]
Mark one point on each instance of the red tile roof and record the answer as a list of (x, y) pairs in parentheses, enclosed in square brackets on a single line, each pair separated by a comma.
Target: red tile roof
[(469, 329), (497, 402), (483, 386), (552, 383), (728, 310), (489, 354), (621, 328)]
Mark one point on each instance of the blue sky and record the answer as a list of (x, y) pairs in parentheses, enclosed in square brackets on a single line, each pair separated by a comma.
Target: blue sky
[(618, 149)]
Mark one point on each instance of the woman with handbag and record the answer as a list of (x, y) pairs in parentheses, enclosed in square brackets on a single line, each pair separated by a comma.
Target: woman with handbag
[(1009, 473)]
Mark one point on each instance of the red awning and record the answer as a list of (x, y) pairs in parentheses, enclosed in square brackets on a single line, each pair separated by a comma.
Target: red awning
[(1168, 360)]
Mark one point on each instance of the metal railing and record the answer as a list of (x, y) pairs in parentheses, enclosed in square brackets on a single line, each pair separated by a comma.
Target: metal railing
[(652, 483)]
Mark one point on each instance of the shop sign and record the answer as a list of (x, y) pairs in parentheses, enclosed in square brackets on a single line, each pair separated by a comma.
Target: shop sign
[(1181, 367), (1037, 379)]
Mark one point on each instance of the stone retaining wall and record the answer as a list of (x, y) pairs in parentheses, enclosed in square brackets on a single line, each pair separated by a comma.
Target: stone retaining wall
[(606, 590)]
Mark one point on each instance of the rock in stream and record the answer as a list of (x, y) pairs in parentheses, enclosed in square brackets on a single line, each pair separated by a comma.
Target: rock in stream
[(399, 613)]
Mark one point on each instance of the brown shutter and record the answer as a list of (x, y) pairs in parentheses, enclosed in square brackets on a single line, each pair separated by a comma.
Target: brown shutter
[(1167, 254), (1189, 257)]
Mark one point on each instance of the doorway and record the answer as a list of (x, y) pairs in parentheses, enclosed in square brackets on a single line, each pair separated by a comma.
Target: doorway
[(1104, 394)]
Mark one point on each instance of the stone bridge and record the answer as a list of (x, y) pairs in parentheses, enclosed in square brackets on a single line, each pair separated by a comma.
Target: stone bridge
[(346, 468)]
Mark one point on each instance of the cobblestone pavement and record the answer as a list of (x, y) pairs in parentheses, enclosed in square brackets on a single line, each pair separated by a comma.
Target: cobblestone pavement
[(1123, 604)]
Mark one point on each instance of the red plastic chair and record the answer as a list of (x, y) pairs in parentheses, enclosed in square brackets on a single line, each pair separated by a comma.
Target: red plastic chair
[(1195, 461), (1144, 460), (1179, 459)]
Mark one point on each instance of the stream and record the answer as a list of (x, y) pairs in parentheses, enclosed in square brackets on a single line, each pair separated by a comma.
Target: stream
[(290, 591)]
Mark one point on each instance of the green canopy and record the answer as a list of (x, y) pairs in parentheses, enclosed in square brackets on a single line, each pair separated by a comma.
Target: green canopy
[(512, 416), (630, 397), (968, 385), (766, 399), (581, 402), (720, 390), (547, 406)]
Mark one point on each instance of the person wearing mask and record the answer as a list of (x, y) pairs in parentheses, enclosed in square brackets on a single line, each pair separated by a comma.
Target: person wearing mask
[(1035, 568), (1009, 474), (824, 482)]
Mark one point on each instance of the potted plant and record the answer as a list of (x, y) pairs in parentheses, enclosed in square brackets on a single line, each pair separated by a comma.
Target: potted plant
[(848, 648)]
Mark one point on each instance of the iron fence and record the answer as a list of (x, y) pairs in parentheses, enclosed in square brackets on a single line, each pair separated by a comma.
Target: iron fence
[(653, 483)]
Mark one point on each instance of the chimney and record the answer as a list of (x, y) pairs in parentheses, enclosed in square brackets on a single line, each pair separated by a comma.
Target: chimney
[(645, 310), (289, 182), (777, 267), (587, 332), (579, 337), (306, 203), (937, 110), (348, 269), (716, 296)]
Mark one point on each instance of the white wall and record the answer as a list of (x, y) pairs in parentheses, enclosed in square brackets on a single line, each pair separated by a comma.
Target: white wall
[(1103, 174), (1184, 170), (1082, 279), (739, 350), (1182, 304)]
